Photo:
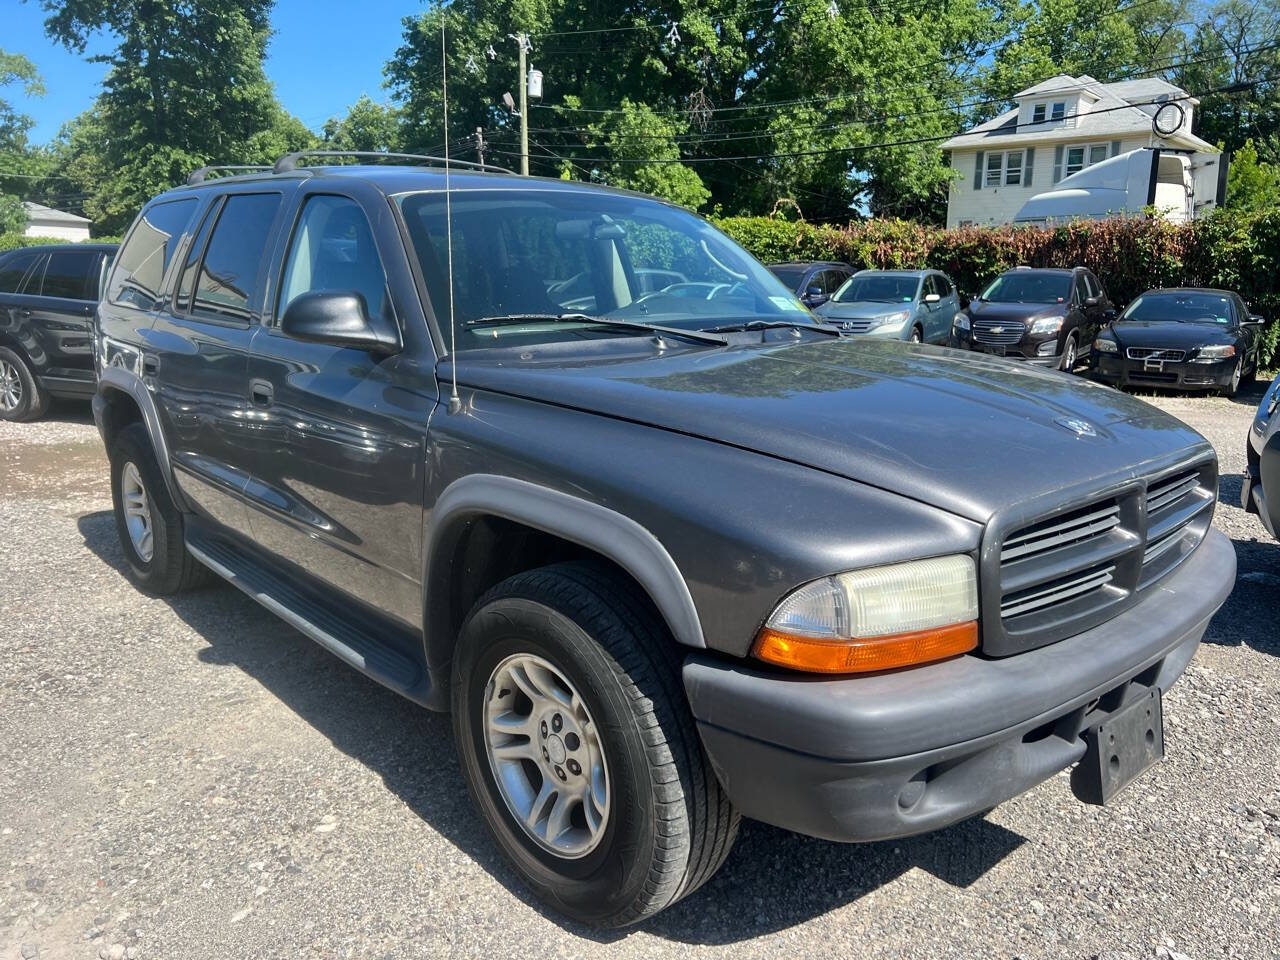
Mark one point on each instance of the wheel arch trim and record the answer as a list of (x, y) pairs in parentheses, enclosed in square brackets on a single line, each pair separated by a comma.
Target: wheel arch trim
[(588, 524), (115, 379)]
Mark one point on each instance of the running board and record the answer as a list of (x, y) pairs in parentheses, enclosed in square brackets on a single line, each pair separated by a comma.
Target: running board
[(348, 641)]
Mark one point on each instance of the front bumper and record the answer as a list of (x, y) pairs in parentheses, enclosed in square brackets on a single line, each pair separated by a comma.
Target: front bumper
[(1025, 351), (904, 752), (1118, 370)]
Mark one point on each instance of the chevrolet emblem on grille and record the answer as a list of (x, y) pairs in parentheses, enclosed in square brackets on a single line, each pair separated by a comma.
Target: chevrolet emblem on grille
[(1081, 428), (997, 329)]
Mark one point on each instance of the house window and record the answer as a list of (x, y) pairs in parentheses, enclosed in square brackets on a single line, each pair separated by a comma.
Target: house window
[(1004, 168), (1037, 113), (1077, 158), (1097, 153), (1059, 111), (1075, 161)]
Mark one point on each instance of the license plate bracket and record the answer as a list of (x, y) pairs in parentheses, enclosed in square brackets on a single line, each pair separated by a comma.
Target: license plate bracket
[(1120, 749), (996, 351)]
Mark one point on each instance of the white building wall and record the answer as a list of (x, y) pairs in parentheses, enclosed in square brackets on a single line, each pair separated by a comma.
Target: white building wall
[(75, 233), (997, 205)]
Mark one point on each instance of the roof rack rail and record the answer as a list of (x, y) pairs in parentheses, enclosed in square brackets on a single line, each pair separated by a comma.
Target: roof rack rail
[(289, 162), (202, 174)]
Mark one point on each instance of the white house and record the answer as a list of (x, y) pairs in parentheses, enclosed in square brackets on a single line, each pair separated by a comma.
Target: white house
[(1061, 127), (45, 221)]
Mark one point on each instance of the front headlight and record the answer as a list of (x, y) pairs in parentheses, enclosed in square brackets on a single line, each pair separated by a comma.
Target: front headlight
[(1046, 325), (1106, 346), (876, 619), (891, 320), (961, 321), (1214, 354)]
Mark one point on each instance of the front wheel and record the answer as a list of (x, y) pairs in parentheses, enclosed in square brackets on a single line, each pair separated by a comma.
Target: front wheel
[(1237, 375), (1069, 354), (579, 749)]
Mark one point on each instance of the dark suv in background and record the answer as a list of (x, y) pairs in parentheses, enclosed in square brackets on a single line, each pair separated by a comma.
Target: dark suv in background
[(813, 282), (1043, 316), (47, 297), (667, 560)]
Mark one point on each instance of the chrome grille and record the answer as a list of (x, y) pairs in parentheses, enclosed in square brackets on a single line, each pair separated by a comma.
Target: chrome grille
[(1064, 572), (1155, 353), (998, 331), (853, 325)]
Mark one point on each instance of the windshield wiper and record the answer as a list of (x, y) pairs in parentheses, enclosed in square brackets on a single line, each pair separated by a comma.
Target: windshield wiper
[(773, 325), (695, 335)]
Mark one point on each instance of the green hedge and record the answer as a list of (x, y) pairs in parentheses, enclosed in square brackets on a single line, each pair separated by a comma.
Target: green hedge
[(1233, 252), (12, 241)]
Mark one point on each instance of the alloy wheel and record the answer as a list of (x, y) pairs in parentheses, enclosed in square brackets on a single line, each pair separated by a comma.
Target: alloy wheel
[(1069, 357), (137, 512), (10, 386), (546, 756)]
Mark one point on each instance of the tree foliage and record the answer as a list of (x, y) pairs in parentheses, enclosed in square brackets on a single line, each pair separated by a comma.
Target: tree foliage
[(1252, 184)]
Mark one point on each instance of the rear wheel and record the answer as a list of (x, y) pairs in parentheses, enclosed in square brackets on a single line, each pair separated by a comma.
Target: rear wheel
[(579, 749), (147, 521), (1069, 354), (22, 397)]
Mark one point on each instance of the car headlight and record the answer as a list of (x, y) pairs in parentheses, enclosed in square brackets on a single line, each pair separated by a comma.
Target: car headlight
[(1214, 354), (879, 618), (891, 320), (1046, 325), (961, 321), (1106, 346)]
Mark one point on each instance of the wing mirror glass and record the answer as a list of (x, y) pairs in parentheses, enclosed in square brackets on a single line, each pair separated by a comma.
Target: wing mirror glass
[(339, 318), (1090, 301), (932, 298)]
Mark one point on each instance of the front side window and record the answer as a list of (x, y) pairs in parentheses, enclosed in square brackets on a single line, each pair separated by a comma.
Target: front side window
[(523, 261), (142, 261), (333, 250), (227, 284), (1028, 286), (71, 275)]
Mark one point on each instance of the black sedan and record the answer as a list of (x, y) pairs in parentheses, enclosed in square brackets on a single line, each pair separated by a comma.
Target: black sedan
[(1182, 339), (1261, 491)]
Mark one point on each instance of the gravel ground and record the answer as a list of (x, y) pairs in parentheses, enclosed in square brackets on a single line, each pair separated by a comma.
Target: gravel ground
[(192, 778)]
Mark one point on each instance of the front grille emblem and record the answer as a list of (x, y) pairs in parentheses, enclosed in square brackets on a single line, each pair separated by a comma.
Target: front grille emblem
[(1081, 428)]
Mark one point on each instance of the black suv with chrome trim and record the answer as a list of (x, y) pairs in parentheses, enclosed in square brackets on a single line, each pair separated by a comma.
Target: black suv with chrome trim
[(667, 561), (1043, 316)]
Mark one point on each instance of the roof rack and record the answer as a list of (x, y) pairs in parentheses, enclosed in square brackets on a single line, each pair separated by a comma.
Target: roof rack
[(199, 176), (289, 162)]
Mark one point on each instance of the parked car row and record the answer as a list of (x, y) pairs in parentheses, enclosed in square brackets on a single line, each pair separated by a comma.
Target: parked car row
[(1185, 338)]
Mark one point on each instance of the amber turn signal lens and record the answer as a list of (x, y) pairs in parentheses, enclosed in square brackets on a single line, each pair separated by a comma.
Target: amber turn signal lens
[(865, 656)]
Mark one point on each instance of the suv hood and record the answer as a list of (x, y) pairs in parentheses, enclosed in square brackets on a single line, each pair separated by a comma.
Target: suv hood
[(1015, 311), (860, 309), (957, 430), (1170, 333)]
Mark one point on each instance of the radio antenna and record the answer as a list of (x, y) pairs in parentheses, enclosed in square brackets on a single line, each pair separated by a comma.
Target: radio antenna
[(455, 403)]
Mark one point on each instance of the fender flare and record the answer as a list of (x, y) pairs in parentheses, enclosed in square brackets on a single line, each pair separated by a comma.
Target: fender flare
[(609, 533), (122, 380)]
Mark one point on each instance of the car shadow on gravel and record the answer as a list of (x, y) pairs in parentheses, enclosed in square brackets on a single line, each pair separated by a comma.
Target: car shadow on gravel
[(1248, 618), (772, 880), (65, 410)]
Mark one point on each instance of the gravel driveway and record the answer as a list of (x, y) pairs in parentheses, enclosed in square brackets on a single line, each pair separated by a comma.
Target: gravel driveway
[(192, 778)]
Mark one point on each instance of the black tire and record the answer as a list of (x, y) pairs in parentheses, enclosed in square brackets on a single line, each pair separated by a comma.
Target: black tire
[(917, 335), (670, 825), (1070, 354), (1237, 377), (171, 568), (33, 399)]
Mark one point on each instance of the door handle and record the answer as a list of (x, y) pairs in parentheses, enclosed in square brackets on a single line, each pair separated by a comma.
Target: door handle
[(262, 392), (150, 364)]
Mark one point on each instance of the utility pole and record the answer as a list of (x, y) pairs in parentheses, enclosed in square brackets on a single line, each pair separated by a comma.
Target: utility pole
[(523, 41), (480, 145)]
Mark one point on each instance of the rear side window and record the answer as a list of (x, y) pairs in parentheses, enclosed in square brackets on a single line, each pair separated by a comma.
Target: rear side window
[(71, 275), (227, 284), (333, 249), (141, 263), (14, 269)]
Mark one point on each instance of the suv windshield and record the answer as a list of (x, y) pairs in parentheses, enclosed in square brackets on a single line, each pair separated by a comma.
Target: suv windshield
[(1182, 307), (1027, 286), (878, 288), (524, 259)]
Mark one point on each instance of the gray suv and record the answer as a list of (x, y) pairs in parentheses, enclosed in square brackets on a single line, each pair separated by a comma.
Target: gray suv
[(913, 305), (666, 560)]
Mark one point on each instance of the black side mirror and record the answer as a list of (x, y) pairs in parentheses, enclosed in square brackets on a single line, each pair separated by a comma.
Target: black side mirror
[(339, 318), (1090, 301), (1256, 319)]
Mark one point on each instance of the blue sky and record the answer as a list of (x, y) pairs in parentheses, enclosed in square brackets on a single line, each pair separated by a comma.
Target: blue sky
[(324, 54)]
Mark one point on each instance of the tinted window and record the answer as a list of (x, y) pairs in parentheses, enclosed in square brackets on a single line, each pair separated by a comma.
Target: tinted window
[(1095, 288), (1028, 286), (142, 261), (333, 249), (791, 276), (879, 288), (228, 278), (187, 281), (1082, 292), (13, 269), (833, 280), (71, 274)]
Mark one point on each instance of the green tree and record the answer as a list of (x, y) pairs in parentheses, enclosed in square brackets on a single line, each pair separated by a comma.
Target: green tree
[(1252, 185), (17, 159), (367, 126), (185, 87)]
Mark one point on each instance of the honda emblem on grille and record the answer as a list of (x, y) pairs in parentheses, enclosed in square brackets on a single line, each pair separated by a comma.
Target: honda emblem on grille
[(1081, 428)]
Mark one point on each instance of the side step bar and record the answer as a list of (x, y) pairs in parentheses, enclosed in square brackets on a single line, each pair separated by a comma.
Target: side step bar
[(321, 622)]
